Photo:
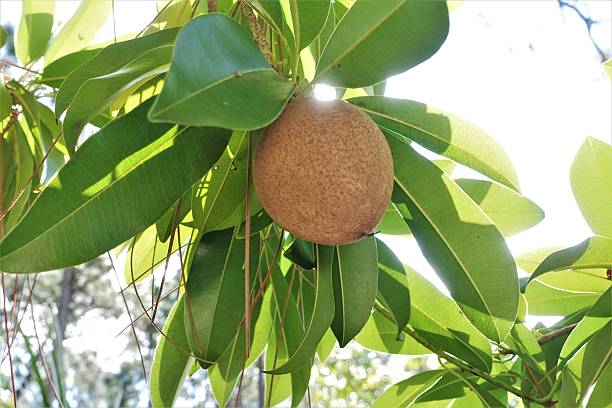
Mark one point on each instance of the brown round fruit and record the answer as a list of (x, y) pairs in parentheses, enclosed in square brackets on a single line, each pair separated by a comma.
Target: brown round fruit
[(324, 172)]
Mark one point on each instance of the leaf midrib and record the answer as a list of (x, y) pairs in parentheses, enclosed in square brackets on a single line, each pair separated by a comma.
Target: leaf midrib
[(459, 261), (140, 163)]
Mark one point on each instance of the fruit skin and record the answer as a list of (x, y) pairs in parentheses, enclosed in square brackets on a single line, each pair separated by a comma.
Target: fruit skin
[(324, 172)]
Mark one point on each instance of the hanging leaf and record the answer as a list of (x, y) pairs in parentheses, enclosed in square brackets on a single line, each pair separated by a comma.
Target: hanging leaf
[(80, 30), (3, 36), (392, 223), (107, 61), (301, 253), (510, 212), (165, 225), (442, 133), (322, 314), (171, 360), (594, 252), (105, 194), (524, 344), (34, 29), (97, 93), (459, 241), (544, 300), (218, 201), (596, 318), (393, 290), (326, 346), (147, 252), (234, 87), (215, 290), (591, 177), (308, 18), (406, 392), (597, 353), (355, 277), (380, 334), (375, 40), (437, 318), (600, 397), (258, 222), (56, 73)]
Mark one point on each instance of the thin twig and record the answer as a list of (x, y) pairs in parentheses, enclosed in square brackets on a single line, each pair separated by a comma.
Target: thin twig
[(557, 333)]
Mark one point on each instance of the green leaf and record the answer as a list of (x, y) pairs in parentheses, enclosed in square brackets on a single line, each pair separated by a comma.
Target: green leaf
[(97, 93), (176, 14), (596, 318), (594, 252), (393, 290), (380, 334), (526, 346), (326, 346), (234, 86), (107, 61), (218, 201), (3, 36), (289, 331), (105, 194), (510, 212), (165, 225), (80, 30), (171, 360), (608, 67), (308, 18), (437, 318), (544, 300), (458, 240), (597, 355), (258, 222), (147, 252), (442, 133), (355, 277), (215, 289), (591, 177), (322, 314), (301, 253), (601, 393), (375, 40), (407, 391), (34, 29), (392, 223), (56, 73)]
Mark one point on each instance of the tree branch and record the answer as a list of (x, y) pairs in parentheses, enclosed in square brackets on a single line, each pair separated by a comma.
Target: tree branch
[(588, 21), (557, 333)]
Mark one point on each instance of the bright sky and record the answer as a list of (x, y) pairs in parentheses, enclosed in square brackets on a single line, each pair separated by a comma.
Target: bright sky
[(522, 70)]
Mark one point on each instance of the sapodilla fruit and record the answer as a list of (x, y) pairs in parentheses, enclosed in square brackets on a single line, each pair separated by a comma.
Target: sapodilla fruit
[(323, 171)]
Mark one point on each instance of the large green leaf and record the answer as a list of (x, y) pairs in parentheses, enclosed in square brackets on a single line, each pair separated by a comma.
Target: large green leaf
[(147, 252), (171, 360), (355, 277), (218, 201), (215, 289), (97, 93), (459, 241), (322, 314), (380, 334), (392, 223), (80, 30), (510, 212), (56, 73), (596, 318), (407, 391), (544, 300), (377, 39), (601, 395), (438, 319), (591, 177), (233, 86), (594, 252), (105, 194), (105, 62), (393, 291), (597, 353), (308, 18), (442, 133), (34, 29)]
